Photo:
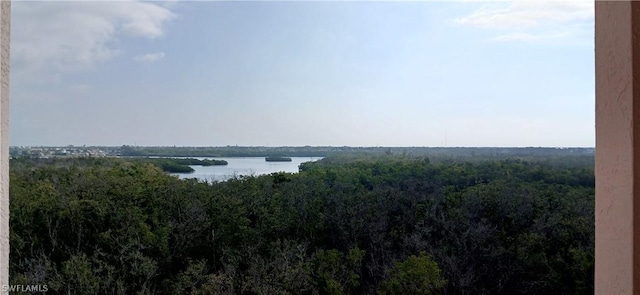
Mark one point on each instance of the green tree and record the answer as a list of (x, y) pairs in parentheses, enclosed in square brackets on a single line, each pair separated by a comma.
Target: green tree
[(337, 273), (417, 275)]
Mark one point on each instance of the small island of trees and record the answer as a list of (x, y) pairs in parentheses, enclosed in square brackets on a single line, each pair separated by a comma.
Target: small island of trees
[(182, 165), (277, 159)]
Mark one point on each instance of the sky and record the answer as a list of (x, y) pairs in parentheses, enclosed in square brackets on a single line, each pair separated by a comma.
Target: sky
[(295, 73)]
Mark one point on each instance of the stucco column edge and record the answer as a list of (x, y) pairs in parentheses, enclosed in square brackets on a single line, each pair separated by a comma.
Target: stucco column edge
[(615, 141), (635, 51), (5, 29)]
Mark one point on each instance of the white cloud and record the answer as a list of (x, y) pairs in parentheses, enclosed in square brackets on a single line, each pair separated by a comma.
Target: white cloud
[(54, 37), (533, 20), (529, 13), (149, 57), (527, 37)]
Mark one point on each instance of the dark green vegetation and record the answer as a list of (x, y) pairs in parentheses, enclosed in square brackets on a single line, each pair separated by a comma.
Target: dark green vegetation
[(179, 165), (277, 159), (227, 151), (458, 153), (375, 225)]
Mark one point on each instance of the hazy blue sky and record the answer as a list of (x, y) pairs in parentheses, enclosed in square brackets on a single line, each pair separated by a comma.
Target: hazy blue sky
[(303, 73)]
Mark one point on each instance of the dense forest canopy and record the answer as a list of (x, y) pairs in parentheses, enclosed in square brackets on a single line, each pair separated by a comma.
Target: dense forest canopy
[(385, 224)]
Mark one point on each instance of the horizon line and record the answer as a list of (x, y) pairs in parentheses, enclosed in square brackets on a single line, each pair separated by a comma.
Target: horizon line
[(296, 146)]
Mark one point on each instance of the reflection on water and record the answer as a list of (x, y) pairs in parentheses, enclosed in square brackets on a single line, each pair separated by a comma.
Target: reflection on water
[(239, 166)]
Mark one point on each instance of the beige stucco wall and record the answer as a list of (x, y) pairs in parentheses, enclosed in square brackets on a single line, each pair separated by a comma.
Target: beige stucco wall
[(617, 158), (5, 16)]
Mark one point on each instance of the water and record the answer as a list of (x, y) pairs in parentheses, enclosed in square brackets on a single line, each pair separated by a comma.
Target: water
[(239, 166)]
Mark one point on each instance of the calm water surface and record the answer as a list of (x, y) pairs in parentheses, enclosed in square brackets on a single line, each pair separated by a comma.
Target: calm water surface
[(244, 166)]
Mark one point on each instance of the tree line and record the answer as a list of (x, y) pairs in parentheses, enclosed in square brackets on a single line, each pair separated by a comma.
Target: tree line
[(180, 165), (457, 153)]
